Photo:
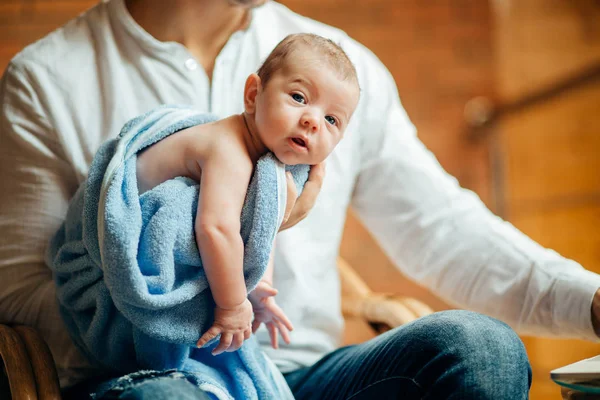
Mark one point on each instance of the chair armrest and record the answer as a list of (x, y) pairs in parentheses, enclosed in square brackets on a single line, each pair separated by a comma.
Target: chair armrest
[(17, 365), (42, 363), (382, 311)]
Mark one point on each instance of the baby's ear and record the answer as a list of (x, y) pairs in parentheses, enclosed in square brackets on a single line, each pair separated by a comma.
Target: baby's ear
[(251, 90)]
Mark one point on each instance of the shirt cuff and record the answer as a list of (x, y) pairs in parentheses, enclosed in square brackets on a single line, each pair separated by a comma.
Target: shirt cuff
[(572, 313)]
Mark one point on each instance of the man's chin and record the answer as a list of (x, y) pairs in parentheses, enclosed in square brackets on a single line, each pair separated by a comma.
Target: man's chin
[(248, 3)]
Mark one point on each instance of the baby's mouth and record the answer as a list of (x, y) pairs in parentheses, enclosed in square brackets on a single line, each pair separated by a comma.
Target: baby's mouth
[(299, 141)]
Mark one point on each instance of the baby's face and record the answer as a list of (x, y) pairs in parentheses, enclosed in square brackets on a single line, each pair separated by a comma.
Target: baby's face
[(303, 111)]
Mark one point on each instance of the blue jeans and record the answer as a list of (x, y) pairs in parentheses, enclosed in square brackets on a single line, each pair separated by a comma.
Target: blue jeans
[(447, 355)]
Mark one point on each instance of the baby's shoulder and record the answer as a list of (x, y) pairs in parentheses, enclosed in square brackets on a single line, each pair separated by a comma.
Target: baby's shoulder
[(213, 142)]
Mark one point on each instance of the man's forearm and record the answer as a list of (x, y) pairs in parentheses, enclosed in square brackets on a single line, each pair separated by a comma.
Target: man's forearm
[(596, 313)]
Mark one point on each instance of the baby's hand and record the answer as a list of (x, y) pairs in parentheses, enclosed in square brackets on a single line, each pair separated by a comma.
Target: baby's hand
[(234, 326), (268, 312)]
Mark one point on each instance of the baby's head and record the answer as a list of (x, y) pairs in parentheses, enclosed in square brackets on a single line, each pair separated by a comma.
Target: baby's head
[(301, 100)]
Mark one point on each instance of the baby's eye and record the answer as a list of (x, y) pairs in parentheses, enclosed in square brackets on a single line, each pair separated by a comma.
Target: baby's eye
[(298, 98), (330, 119)]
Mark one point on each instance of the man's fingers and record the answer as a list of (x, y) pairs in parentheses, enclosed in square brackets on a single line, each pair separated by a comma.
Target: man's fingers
[(570, 394), (307, 199), (317, 172), (226, 339), (209, 335), (311, 190), (292, 194)]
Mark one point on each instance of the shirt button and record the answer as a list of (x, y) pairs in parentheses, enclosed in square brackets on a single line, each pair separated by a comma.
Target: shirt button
[(191, 64)]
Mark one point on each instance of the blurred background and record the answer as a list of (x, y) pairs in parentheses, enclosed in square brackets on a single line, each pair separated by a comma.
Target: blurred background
[(506, 93)]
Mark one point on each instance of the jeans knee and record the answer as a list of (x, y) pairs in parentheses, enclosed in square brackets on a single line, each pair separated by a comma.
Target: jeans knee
[(164, 388), (459, 354), (479, 343), (466, 335)]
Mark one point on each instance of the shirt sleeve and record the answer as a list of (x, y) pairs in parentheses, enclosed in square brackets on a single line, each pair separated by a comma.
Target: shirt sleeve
[(36, 184), (444, 237)]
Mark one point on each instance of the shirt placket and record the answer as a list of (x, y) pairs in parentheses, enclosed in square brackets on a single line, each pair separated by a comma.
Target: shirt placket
[(198, 82), (221, 90)]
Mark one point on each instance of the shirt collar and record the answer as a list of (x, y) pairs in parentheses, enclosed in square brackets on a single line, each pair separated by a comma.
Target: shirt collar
[(124, 21)]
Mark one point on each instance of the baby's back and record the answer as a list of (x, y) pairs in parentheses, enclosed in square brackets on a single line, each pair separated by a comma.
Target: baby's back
[(169, 158)]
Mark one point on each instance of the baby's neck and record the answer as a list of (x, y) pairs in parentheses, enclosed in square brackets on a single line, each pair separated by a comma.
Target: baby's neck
[(256, 148)]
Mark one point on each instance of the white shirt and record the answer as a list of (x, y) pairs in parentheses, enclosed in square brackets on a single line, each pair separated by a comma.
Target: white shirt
[(66, 94)]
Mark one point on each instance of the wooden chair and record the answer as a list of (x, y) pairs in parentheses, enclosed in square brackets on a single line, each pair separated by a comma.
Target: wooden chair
[(31, 374)]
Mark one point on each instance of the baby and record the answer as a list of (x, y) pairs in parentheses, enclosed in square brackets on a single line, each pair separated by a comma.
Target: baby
[(297, 106)]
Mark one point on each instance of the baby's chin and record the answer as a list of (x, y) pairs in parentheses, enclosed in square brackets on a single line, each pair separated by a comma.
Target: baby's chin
[(293, 159)]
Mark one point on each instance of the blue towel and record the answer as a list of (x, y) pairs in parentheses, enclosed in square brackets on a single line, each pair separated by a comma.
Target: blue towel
[(129, 277)]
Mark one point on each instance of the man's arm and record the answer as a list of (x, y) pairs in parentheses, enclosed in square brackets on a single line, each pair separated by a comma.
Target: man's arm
[(596, 312), (444, 237), (36, 181)]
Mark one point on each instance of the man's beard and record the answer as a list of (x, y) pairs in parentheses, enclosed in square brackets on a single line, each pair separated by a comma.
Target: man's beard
[(247, 3)]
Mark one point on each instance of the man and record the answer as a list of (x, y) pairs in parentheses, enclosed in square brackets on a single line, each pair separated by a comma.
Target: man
[(63, 96)]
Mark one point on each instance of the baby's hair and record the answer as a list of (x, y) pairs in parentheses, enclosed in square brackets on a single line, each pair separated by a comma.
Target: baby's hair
[(331, 52)]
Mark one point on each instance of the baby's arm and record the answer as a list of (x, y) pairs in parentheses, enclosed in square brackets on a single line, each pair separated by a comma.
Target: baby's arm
[(225, 177)]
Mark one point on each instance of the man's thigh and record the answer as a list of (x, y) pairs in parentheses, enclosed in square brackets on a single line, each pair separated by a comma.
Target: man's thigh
[(142, 385), (452, 354)]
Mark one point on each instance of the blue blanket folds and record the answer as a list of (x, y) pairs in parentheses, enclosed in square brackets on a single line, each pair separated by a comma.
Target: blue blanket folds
[(129, 276)]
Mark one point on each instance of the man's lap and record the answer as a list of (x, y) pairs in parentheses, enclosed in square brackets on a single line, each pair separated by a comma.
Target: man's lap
[(451, 354), (152, 385), (455, 352)]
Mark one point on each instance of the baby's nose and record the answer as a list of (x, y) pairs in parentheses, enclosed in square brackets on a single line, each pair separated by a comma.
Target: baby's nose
[(310, 122)]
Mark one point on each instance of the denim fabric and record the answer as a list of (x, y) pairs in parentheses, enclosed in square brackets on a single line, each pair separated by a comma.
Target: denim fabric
[(160, 388), (447, 355), (150, 385)]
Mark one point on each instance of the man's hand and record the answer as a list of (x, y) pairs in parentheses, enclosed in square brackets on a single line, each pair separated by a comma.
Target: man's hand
[(596, 312), (269, 313), (297, 210), (570, 394), (234, 326)]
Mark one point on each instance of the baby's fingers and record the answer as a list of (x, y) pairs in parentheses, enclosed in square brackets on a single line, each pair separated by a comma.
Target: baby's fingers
[(209, 335), (267, 290), (226, 339), (273, 335), (236, 343), (285, 334), (280, 315), (255, 325)]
